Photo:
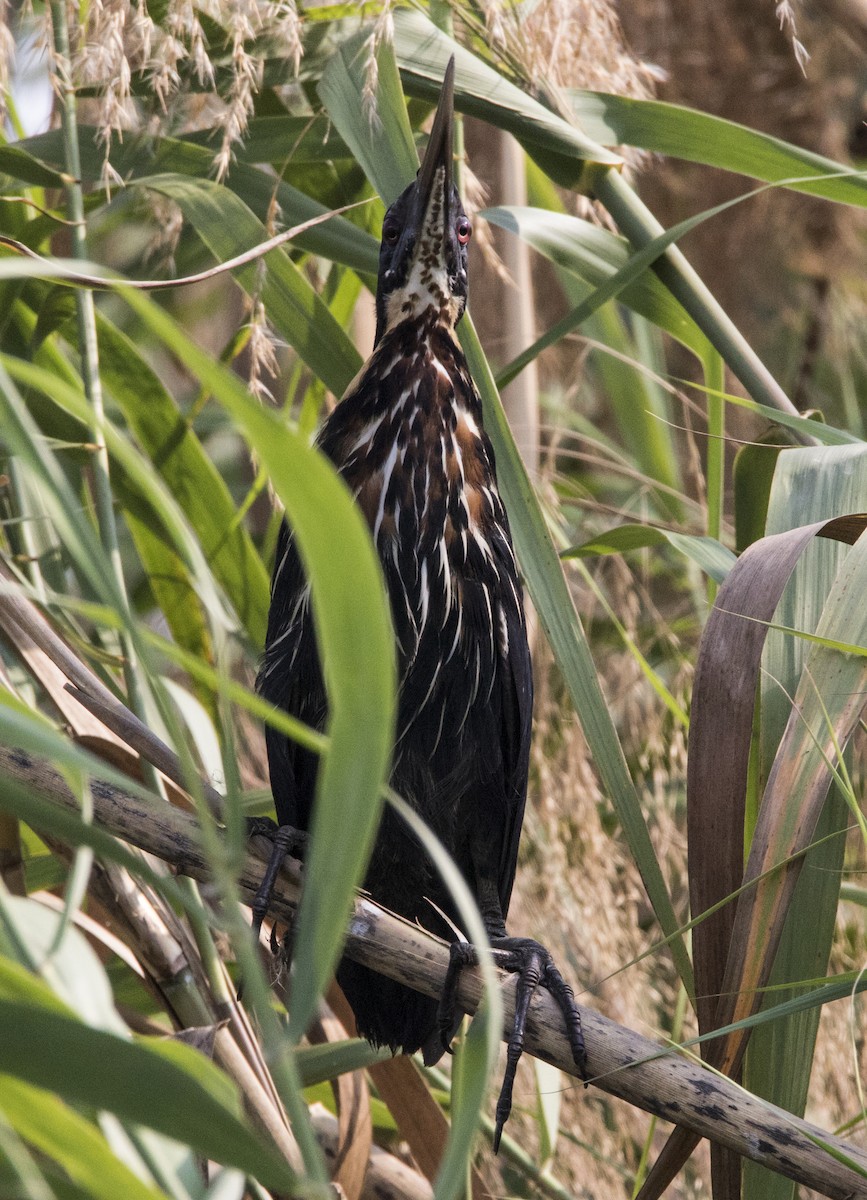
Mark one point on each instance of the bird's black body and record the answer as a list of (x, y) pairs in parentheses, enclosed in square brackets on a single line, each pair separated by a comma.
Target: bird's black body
[(408, 440)]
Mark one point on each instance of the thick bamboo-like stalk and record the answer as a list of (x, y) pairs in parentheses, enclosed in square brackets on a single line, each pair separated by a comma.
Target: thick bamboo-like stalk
[(620, 1061), (640, 227)]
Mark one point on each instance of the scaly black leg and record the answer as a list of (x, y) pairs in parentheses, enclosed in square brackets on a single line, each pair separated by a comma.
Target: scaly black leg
[(533, 965), (285, 840)]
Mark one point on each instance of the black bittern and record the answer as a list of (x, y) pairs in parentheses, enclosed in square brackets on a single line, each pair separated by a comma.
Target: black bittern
[(409, 442)]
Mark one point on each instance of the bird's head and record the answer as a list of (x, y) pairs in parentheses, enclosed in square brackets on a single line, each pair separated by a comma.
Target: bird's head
[(423, 255)]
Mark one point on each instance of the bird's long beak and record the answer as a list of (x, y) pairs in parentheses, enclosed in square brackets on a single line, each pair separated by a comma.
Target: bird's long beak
[(437, 171), (439, 149)]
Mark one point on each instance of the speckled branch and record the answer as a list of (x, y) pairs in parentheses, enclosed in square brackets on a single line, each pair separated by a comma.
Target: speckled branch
[(621, 1061)]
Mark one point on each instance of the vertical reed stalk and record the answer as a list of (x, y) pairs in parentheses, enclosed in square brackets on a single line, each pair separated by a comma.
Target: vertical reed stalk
[(714, 378), (88, 348)]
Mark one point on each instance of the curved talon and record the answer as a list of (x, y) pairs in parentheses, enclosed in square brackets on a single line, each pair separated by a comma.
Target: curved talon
[(565, 997), (285, 839), (461, 954)]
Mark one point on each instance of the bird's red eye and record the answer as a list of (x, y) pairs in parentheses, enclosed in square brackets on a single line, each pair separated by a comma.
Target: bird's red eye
[(464, 230), (390, 233)]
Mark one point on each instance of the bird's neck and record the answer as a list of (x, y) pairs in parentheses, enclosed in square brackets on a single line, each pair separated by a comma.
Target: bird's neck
[(426, 298), (430, 334)]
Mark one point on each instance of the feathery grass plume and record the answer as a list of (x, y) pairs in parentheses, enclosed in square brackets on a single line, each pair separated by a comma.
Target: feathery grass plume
[(279, 23), (165, 46), (101, 60), (167, 222), (567, 43), (285, 27), (242, 25), (264, 365), (383, 31), (114, 40), (786, 16)]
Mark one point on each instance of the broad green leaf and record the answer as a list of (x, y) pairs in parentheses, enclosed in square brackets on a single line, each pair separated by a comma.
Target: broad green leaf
[(828, 704), (640, 405), (140, 157), (134, 479), (316, 1064), (701, 137), (727, 675), (72, 969), (19, 164), (45, 1122), (195, 483), (550, 1084), (55, 391), (713, 558), (652, 244), (340, 88), (282, 139), (752, 476), (173, 590), (357, 647), (227, 227), (18, 984), (631, 373), (595, 256), (77, 534), (178, 1093), (818, 431)]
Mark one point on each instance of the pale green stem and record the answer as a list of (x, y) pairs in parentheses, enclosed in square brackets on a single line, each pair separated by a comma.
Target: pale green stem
[(88, 348), (24, 532), (714, 378), (187, 998)]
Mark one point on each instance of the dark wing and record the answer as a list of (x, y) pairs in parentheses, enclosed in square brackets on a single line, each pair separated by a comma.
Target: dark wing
[(290, 677)]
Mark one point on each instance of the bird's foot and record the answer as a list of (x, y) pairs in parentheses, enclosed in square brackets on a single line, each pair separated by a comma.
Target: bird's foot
[(533, 965), (285, 840)]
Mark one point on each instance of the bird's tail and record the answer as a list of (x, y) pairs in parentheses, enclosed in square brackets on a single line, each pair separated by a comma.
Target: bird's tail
[(390, 1014)]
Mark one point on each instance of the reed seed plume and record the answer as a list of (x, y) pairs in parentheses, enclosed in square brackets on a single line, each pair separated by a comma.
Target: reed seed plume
[(786, 17), (116, 43)]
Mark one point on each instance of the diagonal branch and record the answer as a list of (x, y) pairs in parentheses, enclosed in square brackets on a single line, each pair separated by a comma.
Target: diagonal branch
[(621, 1062)]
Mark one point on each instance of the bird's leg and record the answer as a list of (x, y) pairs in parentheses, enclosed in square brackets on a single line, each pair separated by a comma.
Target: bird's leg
[(533, 964), (285, 840)]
